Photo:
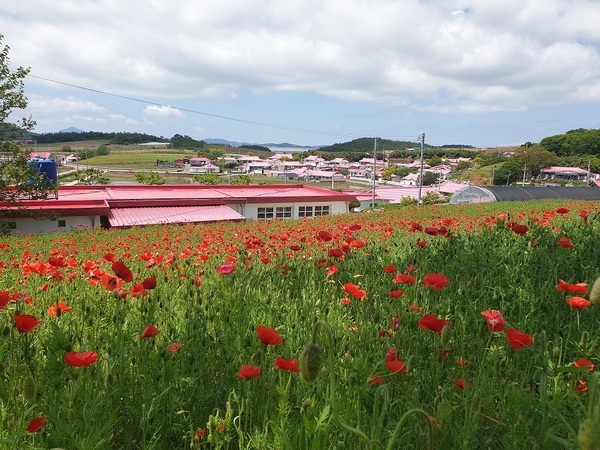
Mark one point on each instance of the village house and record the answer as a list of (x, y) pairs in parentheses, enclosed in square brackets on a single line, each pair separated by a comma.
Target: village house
[(119, 206)]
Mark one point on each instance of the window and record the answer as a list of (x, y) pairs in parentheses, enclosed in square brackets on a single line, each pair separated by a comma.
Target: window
[(322, 210), (305, 211), (265, 213), (283, 212), (62, 223)]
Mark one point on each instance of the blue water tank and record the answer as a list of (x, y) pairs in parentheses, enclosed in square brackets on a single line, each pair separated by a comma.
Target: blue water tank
[(46, 167)]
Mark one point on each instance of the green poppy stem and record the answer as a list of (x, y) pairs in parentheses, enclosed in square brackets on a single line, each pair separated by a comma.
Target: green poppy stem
[(332, 384)]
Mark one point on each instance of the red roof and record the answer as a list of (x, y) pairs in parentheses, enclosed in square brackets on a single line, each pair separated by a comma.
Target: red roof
[(127, 217)]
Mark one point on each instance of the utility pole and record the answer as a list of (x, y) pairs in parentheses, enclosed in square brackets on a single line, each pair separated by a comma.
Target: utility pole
[(524, 172), (422, 139), (374, 172)]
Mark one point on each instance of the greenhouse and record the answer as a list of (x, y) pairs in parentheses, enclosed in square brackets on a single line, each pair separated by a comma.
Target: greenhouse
[(479, 194)]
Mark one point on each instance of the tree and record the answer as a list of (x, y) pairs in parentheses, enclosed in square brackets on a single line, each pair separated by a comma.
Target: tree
[(149, 178), (18, 180), (93, 176), (206, 178), (533, 158)]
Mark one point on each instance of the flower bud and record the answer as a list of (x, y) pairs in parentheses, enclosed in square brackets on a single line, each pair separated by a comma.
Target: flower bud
[(310, 361), (29, 388), (588, 435), (445, 335), (595, 292)]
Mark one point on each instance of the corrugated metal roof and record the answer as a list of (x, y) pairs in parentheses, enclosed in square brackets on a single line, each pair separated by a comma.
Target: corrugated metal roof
[(128, 217)]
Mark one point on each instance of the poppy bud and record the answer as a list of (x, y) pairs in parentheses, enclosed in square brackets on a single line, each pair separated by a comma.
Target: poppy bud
[(29, 388), (310, 362), (595, 292), (446, 334), (588, 435), (6, 331)]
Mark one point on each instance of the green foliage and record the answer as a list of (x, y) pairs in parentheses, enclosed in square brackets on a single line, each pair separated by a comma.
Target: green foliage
[(179, 141), (207, 178), (574, 142), (255, 147), (93, 176), (241, 180), (101, 150), (149, 178), (399, 171), (121, 138), (18, 181), (365, 146)]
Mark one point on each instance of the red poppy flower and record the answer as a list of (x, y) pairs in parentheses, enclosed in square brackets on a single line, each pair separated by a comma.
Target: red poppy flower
[(395, 294), (286, 364), (200, 434), (110, 282), (415, 308), (564, 242), (461, 384), (403, 278), (354, 290), (517, 339), (582, 362), (394, 363), (357, 243), (149, 283), (332, 269), (268, 336), (421, 244), (149, 332), (59, 308), (336, 253), (374, 379), (494, 319), (324, 236), (174, 347), (433, 323), (579, 288), (36, 425), (225, 268), (521, 230), (578, 302), (562, 211), (122, 271), (390, 269), (581, 386), (26, 322), (436, 281), (81, 359), (4, 299), (345, 301), (248, 372)]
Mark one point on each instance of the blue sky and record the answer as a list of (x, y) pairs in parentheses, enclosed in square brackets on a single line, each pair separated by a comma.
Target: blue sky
[(485, 73)]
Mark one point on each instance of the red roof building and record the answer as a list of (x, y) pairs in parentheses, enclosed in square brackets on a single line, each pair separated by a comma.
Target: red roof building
[(140, 205)]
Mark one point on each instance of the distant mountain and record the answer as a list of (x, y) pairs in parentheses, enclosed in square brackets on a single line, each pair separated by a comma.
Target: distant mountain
[(71, 130), (241, 144)]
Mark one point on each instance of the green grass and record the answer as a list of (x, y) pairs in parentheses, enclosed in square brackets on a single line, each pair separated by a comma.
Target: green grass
[(138, 394)]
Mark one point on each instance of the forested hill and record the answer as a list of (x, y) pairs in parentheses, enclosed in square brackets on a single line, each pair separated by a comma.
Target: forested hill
[(365, 145), (574, 142), (110, 138)]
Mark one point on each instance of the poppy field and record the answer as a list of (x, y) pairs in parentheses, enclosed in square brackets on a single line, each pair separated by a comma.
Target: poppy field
[(443, 327)]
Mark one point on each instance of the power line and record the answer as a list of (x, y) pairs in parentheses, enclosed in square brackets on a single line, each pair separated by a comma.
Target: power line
[(203, 113)]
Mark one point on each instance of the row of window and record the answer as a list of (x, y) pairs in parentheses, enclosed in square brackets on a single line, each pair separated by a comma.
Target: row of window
[(285, 212), (12, 225)]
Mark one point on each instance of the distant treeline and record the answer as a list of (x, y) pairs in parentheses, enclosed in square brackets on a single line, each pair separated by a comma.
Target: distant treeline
[(121, 138), (363, 148), (574, 142)]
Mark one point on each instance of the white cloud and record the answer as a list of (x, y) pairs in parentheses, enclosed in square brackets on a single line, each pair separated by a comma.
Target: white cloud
[(450, 55), (162, 111)]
